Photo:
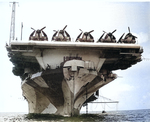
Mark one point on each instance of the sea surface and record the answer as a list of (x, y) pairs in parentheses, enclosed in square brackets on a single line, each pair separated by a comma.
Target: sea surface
[(110, 116)]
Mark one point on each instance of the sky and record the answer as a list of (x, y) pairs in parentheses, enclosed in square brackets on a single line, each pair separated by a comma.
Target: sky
[(131, 88)]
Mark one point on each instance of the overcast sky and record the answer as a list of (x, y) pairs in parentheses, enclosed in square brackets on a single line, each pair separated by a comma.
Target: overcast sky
[(132, 89)]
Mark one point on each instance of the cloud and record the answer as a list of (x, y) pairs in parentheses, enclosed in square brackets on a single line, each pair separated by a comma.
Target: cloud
[(145, 100), (147, 95), (142, 37), (125, 87)]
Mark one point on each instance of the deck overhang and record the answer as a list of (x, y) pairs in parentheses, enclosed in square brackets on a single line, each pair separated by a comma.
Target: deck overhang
[(46, 44)]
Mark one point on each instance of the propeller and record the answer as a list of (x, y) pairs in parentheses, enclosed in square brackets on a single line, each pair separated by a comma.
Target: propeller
[(64, 28), (67, 34), (120, 38), (79, 35), (111, 34), (80, 30), (85, 33), (38, 32), (62, 31), (43, 28), (90, 31), (113, 31), (129, 29), (44, 33), (54, 34), (32, 32), (130, 34), (33, 29), (55, 30), (40, 29), (101, 36)]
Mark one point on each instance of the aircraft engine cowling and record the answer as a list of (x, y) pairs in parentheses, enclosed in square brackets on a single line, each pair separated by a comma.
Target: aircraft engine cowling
[(85, 36), (38, 35), (61, 35)]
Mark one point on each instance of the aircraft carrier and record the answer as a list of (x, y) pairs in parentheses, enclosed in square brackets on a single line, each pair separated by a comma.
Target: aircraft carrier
[(59, 75)]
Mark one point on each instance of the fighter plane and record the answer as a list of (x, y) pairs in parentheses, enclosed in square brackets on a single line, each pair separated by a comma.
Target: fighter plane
[(109, 37), (39, 35), (85, 36), (129, 38), (61, 35)]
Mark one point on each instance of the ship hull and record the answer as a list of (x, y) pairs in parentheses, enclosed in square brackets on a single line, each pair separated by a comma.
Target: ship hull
[(52, 92), (68, 75)]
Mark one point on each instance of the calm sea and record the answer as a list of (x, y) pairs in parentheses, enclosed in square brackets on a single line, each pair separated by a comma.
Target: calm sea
[(113, 116)]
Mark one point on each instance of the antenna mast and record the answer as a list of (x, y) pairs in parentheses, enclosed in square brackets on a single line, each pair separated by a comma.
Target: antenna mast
[(12, 25)]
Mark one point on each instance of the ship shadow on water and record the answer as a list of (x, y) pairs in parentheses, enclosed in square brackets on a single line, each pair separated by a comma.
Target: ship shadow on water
[(115, 116), (76, 118)]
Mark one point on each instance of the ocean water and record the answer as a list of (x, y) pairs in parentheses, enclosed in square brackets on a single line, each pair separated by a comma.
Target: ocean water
[(110, 116)]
